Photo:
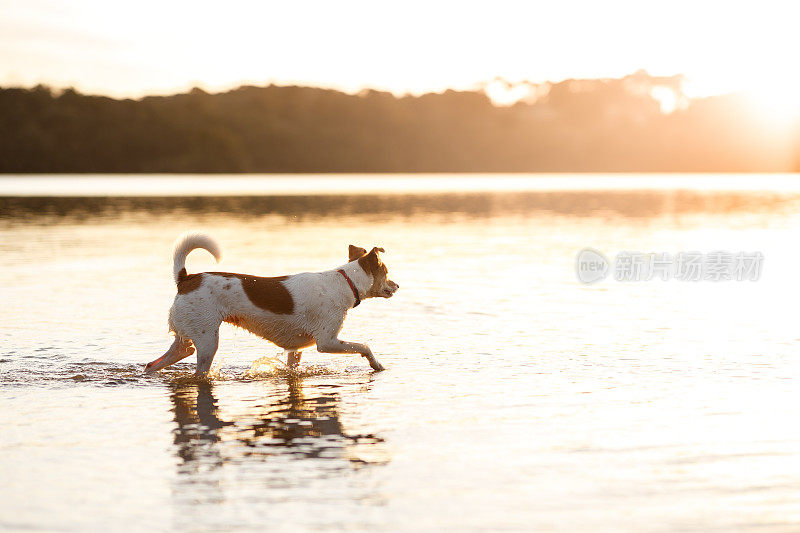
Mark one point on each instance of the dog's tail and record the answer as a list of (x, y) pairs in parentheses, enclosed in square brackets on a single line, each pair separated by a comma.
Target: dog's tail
[(185, 244)]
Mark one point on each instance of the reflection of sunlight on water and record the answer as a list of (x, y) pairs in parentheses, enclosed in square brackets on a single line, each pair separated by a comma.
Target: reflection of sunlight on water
[(513, 391), (350, 184)]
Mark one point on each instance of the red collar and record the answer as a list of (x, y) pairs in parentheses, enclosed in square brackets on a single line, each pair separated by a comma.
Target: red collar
[(352, 287)]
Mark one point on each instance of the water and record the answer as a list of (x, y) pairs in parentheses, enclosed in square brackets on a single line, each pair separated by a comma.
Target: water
[(515, 398)]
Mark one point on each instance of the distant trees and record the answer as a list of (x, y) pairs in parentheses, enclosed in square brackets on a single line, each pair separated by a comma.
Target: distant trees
[(574, 125)]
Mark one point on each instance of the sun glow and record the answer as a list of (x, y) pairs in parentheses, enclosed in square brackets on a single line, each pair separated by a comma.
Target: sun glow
[(162, 48), (780, 105)]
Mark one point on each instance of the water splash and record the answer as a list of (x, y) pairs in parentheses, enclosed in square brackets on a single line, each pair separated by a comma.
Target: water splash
[(270, 367)]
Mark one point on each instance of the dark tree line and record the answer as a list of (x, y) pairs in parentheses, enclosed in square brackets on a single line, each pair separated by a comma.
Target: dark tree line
[(577, 125)]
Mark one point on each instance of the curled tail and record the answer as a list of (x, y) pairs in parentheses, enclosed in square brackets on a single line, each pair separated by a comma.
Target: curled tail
[(185, 244)]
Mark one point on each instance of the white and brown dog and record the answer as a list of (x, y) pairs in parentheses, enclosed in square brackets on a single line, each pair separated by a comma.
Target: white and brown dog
[(294, 312)]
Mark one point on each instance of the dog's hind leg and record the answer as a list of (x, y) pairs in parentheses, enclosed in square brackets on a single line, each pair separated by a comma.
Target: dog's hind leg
[(293, 358), (206, 343), (180, 349)]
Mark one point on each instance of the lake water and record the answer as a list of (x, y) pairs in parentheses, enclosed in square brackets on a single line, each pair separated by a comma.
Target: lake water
[(515, 397)]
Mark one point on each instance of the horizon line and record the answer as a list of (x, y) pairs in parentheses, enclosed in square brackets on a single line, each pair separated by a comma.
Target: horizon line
[(480, 86)]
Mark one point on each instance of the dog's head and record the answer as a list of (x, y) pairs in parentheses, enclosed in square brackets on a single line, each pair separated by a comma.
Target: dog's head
[(375, 268)]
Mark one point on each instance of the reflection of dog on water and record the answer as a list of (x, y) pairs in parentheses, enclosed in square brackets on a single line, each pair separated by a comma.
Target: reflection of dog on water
[(289, 424)]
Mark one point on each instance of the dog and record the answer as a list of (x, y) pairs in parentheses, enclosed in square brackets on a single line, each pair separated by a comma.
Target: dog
[(294, 312)]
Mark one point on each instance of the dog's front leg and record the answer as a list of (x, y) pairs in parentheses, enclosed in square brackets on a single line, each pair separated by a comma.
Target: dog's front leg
[(339, 346)]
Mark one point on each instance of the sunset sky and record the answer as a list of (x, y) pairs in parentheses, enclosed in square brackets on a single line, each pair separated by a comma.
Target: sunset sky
[(146, 47)]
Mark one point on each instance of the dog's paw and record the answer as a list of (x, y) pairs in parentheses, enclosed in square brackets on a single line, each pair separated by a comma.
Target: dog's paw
[(376, 366)]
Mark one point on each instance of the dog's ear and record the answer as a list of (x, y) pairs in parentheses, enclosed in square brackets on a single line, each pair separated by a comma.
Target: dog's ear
[(355, 252), (376, 250), (371, 261)]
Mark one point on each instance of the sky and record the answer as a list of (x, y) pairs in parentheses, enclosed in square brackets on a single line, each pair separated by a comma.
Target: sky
[(129, 49)]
